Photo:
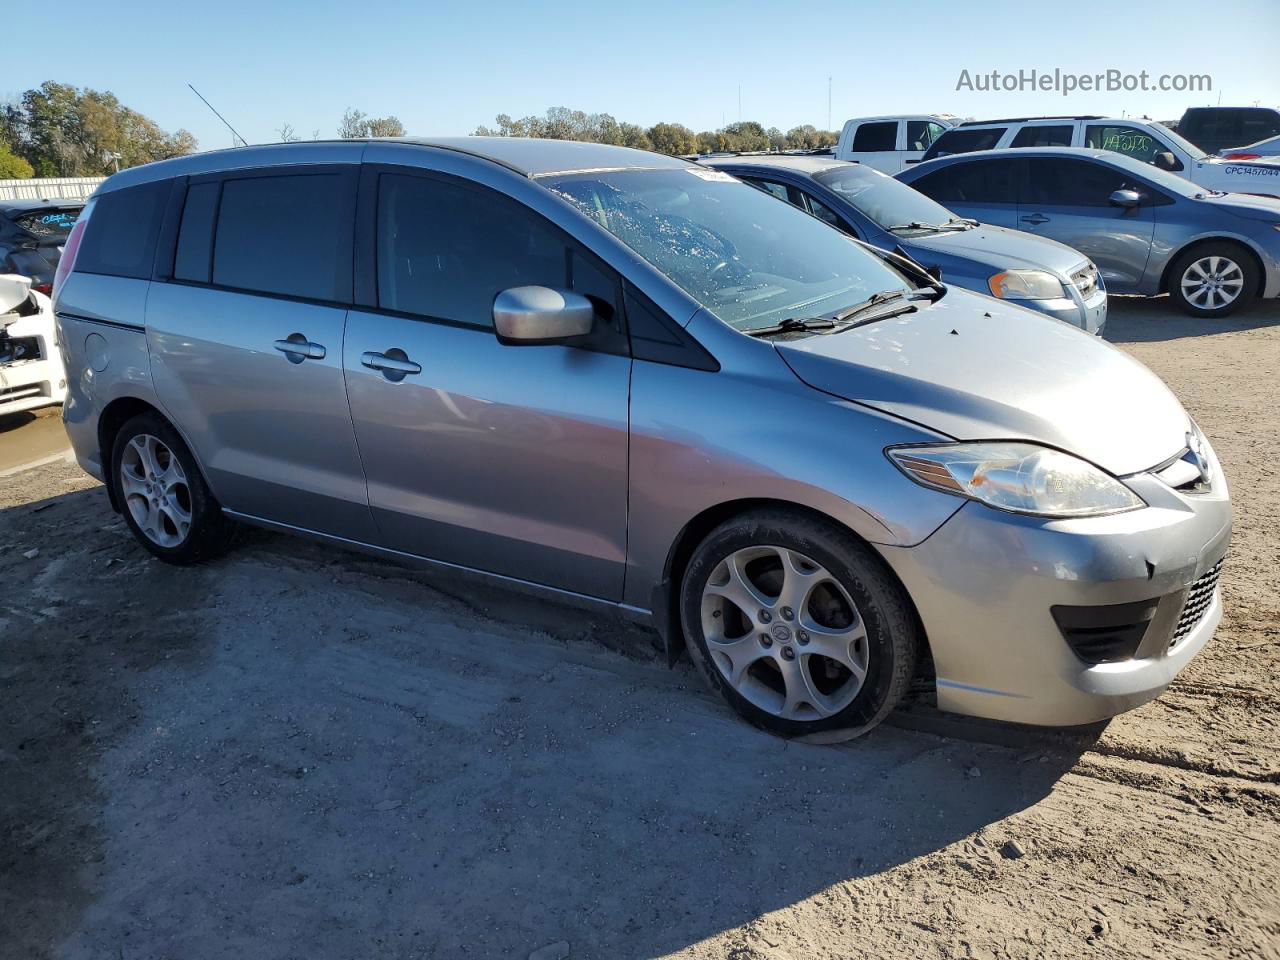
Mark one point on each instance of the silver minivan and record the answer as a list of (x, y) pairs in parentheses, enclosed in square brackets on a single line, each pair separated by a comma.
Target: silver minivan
[(626, 380)]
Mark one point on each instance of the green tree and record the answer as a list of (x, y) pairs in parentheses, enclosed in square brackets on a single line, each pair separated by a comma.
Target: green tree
[(12, 166), (355, 124), (673, 139)]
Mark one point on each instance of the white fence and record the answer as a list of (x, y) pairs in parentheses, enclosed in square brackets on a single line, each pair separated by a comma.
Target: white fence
[(49, 188)]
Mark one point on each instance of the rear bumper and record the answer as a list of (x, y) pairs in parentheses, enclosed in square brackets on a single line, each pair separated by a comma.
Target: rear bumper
[(986, 582)]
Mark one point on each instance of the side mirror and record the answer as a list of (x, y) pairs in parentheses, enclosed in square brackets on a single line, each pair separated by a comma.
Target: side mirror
[(1126, 198), (1167, 161), (528, 316)]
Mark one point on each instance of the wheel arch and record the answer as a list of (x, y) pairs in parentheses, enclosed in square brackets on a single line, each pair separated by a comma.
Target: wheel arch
[(1191, 245), (665, 597), (113, 417)]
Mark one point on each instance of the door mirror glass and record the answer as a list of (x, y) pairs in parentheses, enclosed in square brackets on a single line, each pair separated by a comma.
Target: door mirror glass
[(1126, 198), (526, 316), (1165, 160)]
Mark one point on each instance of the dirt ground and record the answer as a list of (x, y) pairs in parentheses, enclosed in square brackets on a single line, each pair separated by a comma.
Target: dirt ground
[(300, 753)]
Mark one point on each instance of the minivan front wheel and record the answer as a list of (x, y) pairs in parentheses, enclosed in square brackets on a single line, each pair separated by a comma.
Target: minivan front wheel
[(798, 625), (1213, 280), (162, 495)]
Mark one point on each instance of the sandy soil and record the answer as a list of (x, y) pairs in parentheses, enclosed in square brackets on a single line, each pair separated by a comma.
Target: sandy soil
[(299, 753)]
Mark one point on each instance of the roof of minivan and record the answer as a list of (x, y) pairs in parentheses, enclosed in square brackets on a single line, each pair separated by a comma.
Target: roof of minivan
[(526, 156), (810, 165)]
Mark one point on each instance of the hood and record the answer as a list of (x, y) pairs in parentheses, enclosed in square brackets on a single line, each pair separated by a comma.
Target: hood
[(998, 248), (1249, 206), (974, 368)]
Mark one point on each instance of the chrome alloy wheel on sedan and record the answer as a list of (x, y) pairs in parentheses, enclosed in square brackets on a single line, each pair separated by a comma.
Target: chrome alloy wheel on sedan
[(155, 490), (784, 633), (1212, 282)]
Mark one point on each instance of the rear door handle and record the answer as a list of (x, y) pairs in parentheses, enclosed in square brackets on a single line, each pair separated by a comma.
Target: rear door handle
[(297, 348), (393, 361), (1036, 218)]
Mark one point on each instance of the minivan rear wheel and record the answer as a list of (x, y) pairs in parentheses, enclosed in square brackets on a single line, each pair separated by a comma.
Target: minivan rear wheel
[(798, 625), (163, 496), (1213, 280)]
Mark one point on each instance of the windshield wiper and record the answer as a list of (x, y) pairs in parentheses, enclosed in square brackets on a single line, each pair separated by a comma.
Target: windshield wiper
[(868, 311), (913, 225), (791, 325)]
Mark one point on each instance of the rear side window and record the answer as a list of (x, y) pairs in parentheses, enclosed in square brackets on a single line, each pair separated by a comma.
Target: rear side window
[(1074, 183), (872, 137), (445, 250), (120, 240), (922, 133), (195, 236), (288, 235), (975, 181), (1040, 136), (964, 141)]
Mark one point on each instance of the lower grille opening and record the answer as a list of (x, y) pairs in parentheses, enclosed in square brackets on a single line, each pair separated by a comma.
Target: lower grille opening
[(1105, 634), (1199, 597)]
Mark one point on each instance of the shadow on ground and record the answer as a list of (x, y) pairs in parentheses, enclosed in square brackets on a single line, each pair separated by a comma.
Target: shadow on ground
[(1154, 319), (297, 752)]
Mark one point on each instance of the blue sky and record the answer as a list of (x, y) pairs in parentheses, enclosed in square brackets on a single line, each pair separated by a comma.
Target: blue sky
[(446, 68)]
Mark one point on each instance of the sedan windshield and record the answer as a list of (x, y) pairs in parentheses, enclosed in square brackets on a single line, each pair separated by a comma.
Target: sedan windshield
[(890, 203), (740, 253)]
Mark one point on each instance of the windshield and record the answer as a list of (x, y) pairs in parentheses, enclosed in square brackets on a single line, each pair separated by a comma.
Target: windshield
[(740, 253), (1178, 140), (888, 202)]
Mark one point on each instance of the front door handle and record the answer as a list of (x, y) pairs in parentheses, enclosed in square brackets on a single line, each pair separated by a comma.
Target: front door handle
[(1036, 218), (395, 363), (297, 348)]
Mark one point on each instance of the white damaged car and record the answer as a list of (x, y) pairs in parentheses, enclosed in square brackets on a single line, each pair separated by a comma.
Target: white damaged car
[(31, 370)]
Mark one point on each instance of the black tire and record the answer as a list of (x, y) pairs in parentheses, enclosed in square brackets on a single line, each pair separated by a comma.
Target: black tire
[(893, 634), (1235, 262), (210, 533)]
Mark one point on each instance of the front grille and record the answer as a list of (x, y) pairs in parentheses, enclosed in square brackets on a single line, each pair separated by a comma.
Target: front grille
[(1086, 280), (1198, 599)]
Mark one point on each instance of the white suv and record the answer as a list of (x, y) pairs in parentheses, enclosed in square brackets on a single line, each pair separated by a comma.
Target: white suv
[(890, 143), (1144, 140)]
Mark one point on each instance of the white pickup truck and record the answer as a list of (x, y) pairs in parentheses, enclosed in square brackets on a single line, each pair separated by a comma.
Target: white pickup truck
[(890, 143), (1144, 140)]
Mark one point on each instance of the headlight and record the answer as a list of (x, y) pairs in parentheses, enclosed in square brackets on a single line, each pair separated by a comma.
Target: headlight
[(1019, 477), (1026, 285)]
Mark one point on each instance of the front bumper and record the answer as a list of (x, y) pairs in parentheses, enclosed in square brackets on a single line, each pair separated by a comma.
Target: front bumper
[(985, 582), (1089, 315)]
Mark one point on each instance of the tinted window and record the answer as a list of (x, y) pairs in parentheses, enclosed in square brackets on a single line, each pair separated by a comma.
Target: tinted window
[(1130, 141), (876, 136), (195, 236), (288, 235), (773, 189), (959, 140), (446, 250), (120, 240), (977, 181), (889, 202), (826, 214), (1039, 136), (921, 133), (1075, 183)]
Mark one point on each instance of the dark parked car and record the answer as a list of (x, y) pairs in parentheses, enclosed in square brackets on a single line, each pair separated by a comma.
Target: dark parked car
[(1213, 129), (1148, 230), (1028, 270), (32, 233)]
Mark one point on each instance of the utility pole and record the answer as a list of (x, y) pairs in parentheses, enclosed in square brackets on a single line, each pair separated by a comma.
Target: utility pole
[(739, 103), (828, 102)]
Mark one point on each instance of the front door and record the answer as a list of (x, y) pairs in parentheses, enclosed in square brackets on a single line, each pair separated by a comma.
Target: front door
[(508, 459), (1069, 200), (246, 345)]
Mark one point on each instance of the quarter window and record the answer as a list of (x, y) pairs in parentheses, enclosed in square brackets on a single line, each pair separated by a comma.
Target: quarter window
[(120, 240), (876, 137), (287, 235)]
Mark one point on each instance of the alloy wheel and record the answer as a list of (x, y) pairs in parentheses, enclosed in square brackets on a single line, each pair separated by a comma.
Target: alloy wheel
[(1212, 283), (155, 490), (784, 633)]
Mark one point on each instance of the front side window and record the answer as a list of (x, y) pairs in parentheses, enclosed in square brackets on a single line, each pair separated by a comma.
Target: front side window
[(876, 137), (745, 257), (889, 203), (287, 235), (1125, 140), (1074, 183), (445, 250), (922, 133)]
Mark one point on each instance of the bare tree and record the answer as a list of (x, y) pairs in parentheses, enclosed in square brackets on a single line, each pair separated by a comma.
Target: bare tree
[(287, 133)]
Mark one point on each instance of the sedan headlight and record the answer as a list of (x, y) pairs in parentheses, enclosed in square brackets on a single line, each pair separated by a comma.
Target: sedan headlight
[(1026, 285), (1018, 477)]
